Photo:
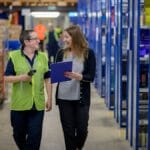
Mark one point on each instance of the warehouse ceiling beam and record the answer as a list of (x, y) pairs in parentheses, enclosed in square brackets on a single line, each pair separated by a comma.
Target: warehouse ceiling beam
[(38, 3)]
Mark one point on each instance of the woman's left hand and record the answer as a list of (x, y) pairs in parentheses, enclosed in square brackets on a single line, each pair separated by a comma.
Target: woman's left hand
[(73, 75)]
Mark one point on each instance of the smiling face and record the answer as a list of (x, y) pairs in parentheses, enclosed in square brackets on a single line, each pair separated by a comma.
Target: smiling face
[(33, 41), (67, 39)]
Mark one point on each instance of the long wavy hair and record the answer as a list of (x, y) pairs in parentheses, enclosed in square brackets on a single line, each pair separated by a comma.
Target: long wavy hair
[(79, 43)]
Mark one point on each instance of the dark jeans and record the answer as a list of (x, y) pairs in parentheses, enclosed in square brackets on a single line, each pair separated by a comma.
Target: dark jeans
[(27, 128), (74, 118)]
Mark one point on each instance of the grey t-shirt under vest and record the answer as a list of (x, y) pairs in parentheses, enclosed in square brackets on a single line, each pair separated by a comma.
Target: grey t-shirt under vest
[(70, 90)]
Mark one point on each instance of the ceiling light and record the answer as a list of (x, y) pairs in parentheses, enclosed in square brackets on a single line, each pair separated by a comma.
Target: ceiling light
[(45, 14), (73, 14)]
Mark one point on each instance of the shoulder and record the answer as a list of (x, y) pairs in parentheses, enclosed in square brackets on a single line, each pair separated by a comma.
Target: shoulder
[(43, 55), (90, 52), (60, 52), (59, 55), (14, 53)]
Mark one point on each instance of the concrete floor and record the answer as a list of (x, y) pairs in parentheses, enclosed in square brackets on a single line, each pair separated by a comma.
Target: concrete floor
[(104, 133)]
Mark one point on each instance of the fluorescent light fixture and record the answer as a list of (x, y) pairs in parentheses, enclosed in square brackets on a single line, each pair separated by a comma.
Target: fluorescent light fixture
[(45, 14), (73, 14)]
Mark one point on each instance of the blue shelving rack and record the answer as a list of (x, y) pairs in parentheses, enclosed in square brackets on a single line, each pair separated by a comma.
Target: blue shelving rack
[(103, 48), (89, 23), (124, 66), (129, 127), (116, 7), (121, 47), (136, 75), (82, 16), (73, 17), (98, 46), (112, 54), (92, 19), (140, 135), (130, 108), (93, 36), (93, 24), (118, 53), (108, 53), (112, 51), (149, 104), (109, 56), (138, 82), (88, 20)]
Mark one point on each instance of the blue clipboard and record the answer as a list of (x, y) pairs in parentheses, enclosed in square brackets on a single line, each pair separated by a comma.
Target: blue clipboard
[(58, 70)]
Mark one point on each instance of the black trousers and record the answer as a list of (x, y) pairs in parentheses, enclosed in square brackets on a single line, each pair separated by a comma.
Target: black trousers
[(74, 118), (27, 128)]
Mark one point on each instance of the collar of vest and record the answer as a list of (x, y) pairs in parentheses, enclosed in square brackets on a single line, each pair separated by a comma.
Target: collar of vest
[(23, 54)]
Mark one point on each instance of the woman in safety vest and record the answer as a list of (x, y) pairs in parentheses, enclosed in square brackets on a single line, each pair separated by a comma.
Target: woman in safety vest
[(28, 70)]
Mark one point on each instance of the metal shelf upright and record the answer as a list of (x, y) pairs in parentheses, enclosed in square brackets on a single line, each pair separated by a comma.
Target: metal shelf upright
[(141, 109), (82, 15), (110, 46), (130, 47), (118, 54), (136, 74), (116, 7), (94, 36), (121, 29), (124, 67), (103, 47), (149, 104), (98, 46), (112, 55), (108, 53)]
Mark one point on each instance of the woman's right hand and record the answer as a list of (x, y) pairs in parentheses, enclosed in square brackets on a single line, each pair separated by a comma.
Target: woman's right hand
[(73, 75)]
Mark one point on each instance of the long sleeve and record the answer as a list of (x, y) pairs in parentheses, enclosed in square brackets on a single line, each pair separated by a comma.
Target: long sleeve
[(90, 67)]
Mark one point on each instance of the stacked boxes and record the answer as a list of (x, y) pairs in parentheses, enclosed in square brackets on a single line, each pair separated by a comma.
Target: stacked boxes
[(7, 32), (14, 32), (3, 32), (1, 78), (3, 36)]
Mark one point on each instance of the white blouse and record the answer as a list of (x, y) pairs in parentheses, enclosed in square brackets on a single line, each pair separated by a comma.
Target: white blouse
[(70, 90)]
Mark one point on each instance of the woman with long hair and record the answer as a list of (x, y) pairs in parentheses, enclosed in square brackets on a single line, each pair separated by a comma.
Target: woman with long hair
[(73, 96)]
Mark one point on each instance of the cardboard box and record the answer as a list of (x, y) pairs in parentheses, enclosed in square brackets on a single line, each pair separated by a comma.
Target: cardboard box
[(4, 22), (14, 32)]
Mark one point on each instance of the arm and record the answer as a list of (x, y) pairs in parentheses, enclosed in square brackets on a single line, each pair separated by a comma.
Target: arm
[(48, 86), (88, 72), (17, 78), (10, 74)]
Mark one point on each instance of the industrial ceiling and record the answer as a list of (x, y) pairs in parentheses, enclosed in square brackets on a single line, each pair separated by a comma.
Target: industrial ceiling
[(38, 3)]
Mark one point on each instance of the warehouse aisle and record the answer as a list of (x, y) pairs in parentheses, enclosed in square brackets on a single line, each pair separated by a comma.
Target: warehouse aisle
[(104, 133)]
